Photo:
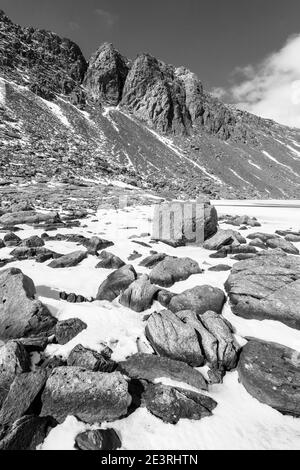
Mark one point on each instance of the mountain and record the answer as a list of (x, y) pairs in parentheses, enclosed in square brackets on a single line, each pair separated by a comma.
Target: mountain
[(142, 122)]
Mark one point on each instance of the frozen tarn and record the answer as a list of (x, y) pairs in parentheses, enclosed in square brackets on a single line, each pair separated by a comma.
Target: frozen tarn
[(254, 164), (281, 164), (238, 176), (57, 112), (106, 113)]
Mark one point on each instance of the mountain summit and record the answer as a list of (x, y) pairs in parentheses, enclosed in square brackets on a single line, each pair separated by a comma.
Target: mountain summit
[(140, 121)]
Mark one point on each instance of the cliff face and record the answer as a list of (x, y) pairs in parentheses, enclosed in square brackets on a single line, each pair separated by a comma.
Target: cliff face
[(141, 121)]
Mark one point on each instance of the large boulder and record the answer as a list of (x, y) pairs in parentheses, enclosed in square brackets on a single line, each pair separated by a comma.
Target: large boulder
[(172, 404), (270, 372), (152, 260), (266, 287), (116, 282), (69, 260), (139, 296), (200, 299), (223, 238), (32, 242), (92, 397), (171, 337), (95, 244), (173, 269), (150, 367), (13, 360), (20, 313)]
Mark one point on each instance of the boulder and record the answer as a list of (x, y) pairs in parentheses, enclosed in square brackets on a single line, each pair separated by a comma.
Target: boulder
[(223, 238), (71, 259), (32, 242), (139, 296), (284, 245), (152, 260), (172, 404), (98, 439), (109, 261), (266, 287), (116, 282), (220, 268), (27, 433), (95, 244), (173, 269), (11, 239), (28, 217), (13, 360), (92, 397), (292, 238), (89, 359), (171, 337), (270, 372), (264, 237), (200, 299), (23, 391), (21, 315), (150, 367), (67, 329)]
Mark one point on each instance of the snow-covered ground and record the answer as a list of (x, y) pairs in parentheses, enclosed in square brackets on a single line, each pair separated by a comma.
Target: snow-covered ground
[(239, 421)]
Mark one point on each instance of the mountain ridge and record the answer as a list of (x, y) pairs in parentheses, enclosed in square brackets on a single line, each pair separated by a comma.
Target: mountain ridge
[(142, 121)]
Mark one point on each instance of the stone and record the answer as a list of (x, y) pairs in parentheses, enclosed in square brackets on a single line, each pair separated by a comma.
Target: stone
[(270, 372), (32, 242), (28, 217), (89, 359), (223, 238), (95, 244), (69, 260), (172, 404), (150, 367), (67, 329), (200, 299), (11, 239), (292, 238), (139, 296), (23, 391), (116, 282), (171, 337), (152, 260), (27, 433), (284, 245), (92, 397), (109, 261), (220, 268), (173, 269), (264, 237), (21, 315), (98, 439), (266, 287), (13, 360)]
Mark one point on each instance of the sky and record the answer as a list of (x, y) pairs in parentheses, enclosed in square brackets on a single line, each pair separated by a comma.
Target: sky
[(246, 52)]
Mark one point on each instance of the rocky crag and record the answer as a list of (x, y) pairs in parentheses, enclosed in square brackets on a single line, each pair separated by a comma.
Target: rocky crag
[(139, 121)]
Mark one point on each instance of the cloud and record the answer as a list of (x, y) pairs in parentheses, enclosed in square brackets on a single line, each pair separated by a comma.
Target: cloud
[(108, 18), (219, 92), (271, 89)]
